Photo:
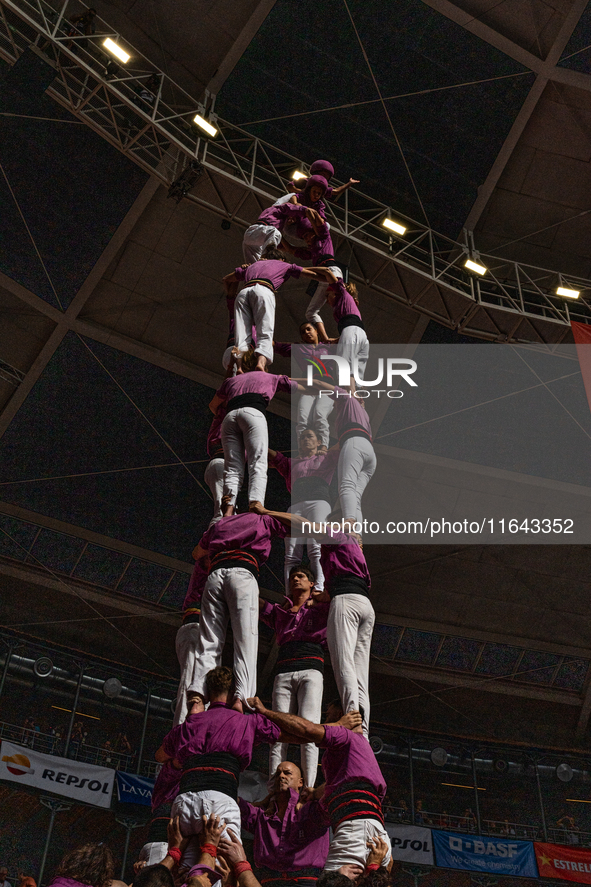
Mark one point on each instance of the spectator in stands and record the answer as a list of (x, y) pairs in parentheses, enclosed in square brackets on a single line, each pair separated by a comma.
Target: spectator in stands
[(404, 812), (26, 880), (89, 864), (106, 755), (567, 823), (122, 744), (420, 817), (3, 874), (469, 820)]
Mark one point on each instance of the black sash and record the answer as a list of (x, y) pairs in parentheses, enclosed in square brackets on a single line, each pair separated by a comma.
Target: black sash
[(299, 656), (347, 585), (325, 259), (306, 489), (235, 557), (157, 830), (251, 399), (349, 320), (357, 799), (353, 429), (262, 280), (216, 771), (191, 614), (216, 452)]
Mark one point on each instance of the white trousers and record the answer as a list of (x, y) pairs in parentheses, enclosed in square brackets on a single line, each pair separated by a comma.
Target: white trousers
[(186, 651), (349, 843), (313, 510), (257, 238), (231, 594), (353, 344), (299, 693), (313, 412), (255, 306), (318, 300), (357, 464), (245, 429), (214, 478), (349, 629), (153, 852), (191, 806)]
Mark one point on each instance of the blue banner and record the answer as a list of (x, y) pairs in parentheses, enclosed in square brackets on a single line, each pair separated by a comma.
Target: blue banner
[(478, 853), (134, 789)]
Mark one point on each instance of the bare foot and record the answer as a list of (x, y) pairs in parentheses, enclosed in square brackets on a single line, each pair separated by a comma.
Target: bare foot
[(237, 706), (261, 364)]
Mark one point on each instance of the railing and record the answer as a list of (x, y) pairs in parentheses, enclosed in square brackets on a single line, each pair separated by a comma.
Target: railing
[(450, 822), (149, 118), (569, 836), (81, 751)]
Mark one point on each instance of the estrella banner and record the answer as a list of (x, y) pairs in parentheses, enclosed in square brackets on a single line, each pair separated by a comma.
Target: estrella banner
[(480, 853), (132, 789), (563, 863), (83, 782)]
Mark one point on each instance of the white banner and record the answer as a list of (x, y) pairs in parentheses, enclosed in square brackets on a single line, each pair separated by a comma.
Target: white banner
[(410, 843), (82, 782)]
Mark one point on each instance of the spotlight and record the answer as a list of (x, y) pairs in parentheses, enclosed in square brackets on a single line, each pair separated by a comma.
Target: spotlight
[(43, 667), (298, 175), (376, 744), (116, 50), (501, 766), (187, 180), (112, 688), (567, 293), (439, 757), (226, 225), (394, 226), (471, 265), (205, 125), (564, 772)]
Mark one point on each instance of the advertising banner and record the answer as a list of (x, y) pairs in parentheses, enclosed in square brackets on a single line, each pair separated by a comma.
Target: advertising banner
[(410, 843), (132, 789), (81, 782), (478, 853), (564, 863)]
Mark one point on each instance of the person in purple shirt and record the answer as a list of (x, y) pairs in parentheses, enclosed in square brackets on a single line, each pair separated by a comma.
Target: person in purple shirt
[(289, 837), (325, 169), (255, 303), (354, 786), (266, 232), (245, 399), (237, 547), (212, 748), (313, 410), (351, 616), (163, 794), (308, 478), (300, 632)]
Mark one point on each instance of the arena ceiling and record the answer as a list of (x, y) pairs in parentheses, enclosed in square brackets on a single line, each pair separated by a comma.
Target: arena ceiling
[(114, 321)]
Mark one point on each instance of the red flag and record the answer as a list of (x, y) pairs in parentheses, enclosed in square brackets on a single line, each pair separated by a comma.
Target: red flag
[(564, 863)]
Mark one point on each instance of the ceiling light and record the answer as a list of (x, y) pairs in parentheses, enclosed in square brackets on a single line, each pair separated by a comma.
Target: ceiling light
[(471, 265), (570, 294), (457, 785), (298, 175), (564, 772), (439, 757), (205, 125), (116, 50), (394, 226)]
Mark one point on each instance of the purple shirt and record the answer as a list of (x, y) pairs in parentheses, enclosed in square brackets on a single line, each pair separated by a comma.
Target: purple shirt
[(349, 411), (214, 437), (348, 756), (308, 624), (220, 729), (166, 786), (322, 245), (342, 557), (273, 270), (295, 842), (323, 465), (246, 531), (302, 352), (66, 882), (266, 384), (345, 303), (196, 586), (278, 214)]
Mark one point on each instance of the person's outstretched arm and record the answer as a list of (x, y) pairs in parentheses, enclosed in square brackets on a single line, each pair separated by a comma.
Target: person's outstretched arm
[(341, 188)]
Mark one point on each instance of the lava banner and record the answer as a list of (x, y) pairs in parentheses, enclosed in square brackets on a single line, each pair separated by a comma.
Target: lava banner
[(82, 782), (564, 863), (478, 853)]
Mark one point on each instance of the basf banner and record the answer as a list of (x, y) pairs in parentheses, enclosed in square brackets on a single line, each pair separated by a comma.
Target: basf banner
[(82, 782), (411, 843), (132, 789), (476, 853), (565, 863)]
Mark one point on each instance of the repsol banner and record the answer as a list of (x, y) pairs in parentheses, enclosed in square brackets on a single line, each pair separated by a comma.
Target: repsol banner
[(564, 863), (82, 782), (478, 853), (132, 789), (410, 843)]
